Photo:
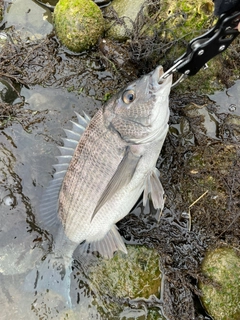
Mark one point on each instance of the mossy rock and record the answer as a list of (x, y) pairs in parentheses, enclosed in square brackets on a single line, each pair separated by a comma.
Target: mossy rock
[(1, 9), (194, 14), (78, 23), (208, 168), (222, 301), (133, 275)]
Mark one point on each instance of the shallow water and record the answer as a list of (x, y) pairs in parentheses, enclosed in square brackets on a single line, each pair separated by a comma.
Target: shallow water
[(26, 166), (227, 101)]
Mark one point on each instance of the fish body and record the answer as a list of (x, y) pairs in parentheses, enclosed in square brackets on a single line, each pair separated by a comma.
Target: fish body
[(111, 165), (106, 163)]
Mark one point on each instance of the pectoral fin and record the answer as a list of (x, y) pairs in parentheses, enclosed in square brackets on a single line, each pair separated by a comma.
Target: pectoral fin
[(121, 178), (153, 187)]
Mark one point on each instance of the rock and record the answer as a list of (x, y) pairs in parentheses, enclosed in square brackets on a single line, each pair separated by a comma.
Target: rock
[(102, 3), (8, 91), (78, 23), (222, 301), (3, 40), (137, 313), (133, 275), (1, 9), (208, 122), (232, 126), (128, 12)]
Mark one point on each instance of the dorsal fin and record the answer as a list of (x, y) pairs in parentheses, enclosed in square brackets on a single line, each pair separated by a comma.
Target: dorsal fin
[(48, 209)]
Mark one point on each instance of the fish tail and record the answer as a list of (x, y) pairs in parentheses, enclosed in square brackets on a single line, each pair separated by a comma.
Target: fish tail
[(107, 246), (53, 274)]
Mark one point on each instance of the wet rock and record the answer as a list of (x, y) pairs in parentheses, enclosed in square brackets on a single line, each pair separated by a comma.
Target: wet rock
[(102, 3), (133, 275), (150, 314), (203, 122), (29, 19), (1, 9), (78, 24), (3, 40), (116, 57), (8, 93), (221, 298), (182, 131), (232, 127), (127, 13), (18, 249), (50, 4)]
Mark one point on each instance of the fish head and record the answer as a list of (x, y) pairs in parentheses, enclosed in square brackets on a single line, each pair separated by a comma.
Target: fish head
[(141, 109)]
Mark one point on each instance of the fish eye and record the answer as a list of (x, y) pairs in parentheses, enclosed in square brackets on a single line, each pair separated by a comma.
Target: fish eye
[(128, 96)]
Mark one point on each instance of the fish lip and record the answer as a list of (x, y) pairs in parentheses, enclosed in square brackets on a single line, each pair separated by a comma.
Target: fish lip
[(156, 75), (160, 71)]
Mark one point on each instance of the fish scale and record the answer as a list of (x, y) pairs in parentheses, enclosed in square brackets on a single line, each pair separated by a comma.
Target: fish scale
[(90, 174)]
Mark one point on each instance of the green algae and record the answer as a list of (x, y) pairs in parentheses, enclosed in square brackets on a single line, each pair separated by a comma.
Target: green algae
[(133, 275), (207, 168), (1, 10), (186, 20), (179, 22), (221, 298), (78, 23)]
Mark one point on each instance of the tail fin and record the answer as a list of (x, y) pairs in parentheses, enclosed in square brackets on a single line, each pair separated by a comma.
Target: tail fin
[(52, 275)]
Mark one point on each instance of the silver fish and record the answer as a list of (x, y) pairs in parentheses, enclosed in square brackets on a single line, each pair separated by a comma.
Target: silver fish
[(106, 164)]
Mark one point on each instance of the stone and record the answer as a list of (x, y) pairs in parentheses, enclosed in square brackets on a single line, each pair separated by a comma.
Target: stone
[(133, 275), (128, 12), (78, 24), (222, 297)]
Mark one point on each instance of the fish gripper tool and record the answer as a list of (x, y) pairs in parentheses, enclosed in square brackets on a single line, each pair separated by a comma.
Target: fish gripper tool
[(203, 48)]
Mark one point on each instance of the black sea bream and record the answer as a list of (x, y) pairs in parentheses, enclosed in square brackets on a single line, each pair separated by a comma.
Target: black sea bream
[(106, 164)]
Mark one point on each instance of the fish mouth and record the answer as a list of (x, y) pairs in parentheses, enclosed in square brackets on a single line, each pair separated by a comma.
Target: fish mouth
[(160, 71), (156, 80), (155, 77)]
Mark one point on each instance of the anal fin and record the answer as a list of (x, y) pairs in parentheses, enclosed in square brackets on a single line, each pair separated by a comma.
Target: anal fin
[(106, 247)]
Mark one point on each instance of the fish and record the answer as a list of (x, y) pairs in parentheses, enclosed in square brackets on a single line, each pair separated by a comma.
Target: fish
[(105, 165)]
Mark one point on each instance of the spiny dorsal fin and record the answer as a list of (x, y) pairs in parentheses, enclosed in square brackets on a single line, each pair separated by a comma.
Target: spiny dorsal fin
[(49, 203)]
